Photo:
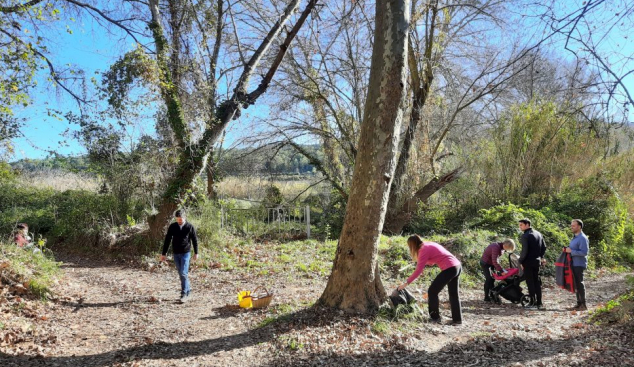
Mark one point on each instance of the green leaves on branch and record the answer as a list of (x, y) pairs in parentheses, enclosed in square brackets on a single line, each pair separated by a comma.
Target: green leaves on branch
[(134, 69)]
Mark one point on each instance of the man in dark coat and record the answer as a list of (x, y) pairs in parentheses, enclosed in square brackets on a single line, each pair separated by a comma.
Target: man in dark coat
[(531, 259), (182, 235)]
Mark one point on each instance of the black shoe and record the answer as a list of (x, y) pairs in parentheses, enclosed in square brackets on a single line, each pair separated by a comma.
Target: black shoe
[(455, 323), (487, 299), (436, 321)]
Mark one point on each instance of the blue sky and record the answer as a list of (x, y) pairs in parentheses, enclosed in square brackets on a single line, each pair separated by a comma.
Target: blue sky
[(91, 49), (88, 47)]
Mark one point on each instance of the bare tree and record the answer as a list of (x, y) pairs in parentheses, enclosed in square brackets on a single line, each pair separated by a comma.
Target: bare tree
[(597, 32), (322, 90), (447, 61)]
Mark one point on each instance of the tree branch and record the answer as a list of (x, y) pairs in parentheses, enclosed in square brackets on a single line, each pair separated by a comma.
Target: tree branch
[(52, 72), (249, 68), (106, 17), (18, 7)]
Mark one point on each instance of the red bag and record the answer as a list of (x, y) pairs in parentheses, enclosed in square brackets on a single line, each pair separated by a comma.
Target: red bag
[(563, 272)]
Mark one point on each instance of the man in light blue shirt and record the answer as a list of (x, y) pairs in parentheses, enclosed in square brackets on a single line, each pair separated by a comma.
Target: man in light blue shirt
[(578, 249)]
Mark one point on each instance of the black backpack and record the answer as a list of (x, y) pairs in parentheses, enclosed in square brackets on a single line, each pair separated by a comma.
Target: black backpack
[(402, 297)]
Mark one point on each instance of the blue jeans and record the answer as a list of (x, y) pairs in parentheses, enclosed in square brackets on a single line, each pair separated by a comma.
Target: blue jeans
[(182, 265)]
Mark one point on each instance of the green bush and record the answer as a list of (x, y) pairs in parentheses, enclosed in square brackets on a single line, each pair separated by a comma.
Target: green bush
[(334, 213), (430, 219), (604, 216), (272, 197), (206, 220), (35, 269), (395, 257), (58, 215), (468, 246), (504, 218)]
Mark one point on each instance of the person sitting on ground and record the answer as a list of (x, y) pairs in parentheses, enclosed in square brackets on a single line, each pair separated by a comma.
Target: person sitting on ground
[(431, 253), (21, 237), (490, 261)]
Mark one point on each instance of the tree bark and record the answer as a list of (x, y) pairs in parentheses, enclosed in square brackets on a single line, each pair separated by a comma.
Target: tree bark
[(421, 78), (211, 181), (355, 284)]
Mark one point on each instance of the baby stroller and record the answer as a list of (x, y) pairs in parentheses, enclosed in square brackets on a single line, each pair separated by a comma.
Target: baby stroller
[(507, 285)]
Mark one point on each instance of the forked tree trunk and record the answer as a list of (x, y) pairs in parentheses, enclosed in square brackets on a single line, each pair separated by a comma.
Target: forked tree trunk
[(191, 162), (355, 284)]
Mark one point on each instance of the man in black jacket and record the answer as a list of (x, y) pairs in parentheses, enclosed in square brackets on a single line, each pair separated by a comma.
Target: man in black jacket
[(531, 258), (182, 236)]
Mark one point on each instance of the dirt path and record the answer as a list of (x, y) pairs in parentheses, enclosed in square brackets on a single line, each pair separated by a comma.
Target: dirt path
[(120, 316)]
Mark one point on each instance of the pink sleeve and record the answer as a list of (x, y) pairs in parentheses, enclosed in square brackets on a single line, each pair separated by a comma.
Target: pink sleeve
[(422, 260)]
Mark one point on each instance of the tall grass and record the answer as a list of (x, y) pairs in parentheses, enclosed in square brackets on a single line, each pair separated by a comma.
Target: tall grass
[(59, 180), (254, 188)]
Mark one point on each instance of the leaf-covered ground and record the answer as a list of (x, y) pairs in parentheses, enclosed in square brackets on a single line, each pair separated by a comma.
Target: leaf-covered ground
[(110, 314)]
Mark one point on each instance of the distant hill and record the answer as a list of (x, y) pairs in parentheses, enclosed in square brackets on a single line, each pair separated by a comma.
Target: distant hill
[(268, 160), (74, 164), (232, 162)]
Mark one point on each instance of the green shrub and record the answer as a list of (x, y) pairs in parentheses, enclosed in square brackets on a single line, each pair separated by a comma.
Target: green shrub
[(395, 257), (334, 213), (430, 219), (468, 247), (206, 220), (604, 216), (60, 215), (272, 197), (503, 219), (38, 270)]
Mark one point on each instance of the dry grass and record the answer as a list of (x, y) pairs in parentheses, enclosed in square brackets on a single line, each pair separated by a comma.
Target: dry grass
[(254, 188), (60, 180)]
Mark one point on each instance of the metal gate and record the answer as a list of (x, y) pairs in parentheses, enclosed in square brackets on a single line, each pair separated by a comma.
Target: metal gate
[(267, 221)]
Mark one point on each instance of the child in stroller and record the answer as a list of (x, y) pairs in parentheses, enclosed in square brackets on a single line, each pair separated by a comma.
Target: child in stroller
[(507, 285)]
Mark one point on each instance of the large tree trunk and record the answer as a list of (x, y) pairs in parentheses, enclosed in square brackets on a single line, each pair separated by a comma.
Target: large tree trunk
[(211, 180), (421, 77), (191, 163), (355, 284)]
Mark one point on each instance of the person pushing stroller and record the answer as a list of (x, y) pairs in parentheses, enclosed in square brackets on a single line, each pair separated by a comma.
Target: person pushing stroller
[(507, 284), (490, 262)]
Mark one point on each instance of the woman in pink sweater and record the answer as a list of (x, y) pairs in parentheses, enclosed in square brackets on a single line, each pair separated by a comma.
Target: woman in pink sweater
[(431, 253)]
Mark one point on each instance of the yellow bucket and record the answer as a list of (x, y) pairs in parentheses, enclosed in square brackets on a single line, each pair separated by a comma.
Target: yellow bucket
[(245, 300)]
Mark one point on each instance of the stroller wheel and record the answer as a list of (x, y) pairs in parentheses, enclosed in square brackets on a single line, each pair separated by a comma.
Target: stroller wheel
[(526, 300)]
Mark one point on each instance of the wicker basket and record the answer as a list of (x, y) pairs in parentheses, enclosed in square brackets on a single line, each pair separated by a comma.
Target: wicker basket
[(262, 298)]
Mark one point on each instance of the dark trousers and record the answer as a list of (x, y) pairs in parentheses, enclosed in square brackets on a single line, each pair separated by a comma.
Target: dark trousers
[(450, 278), (488, 279), (534, 283), (580, 287)]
